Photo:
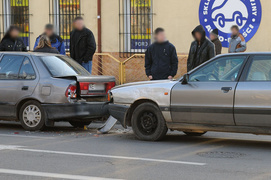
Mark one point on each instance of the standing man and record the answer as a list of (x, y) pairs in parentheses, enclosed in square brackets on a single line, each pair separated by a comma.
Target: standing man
[(82, 44), (201, 49), (56, 41), (237, 42), (161, 61), (216, 41)]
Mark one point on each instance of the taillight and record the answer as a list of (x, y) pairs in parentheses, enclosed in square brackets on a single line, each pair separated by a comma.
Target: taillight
[(109, 86), (71, 91)]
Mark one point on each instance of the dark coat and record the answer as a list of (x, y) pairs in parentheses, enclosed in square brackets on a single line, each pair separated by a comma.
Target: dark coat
[(47, 49), (83, 48), (8, 44), (161, 60), (200, 53), (56, 42), (218, 46)]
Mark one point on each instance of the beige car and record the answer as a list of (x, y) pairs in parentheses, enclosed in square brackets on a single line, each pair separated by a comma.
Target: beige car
[(229, 93)]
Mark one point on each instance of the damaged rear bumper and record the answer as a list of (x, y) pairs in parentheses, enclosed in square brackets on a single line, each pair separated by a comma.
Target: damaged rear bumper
[(87, 110)]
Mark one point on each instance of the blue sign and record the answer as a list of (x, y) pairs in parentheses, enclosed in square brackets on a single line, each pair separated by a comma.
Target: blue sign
[(222, 14), (140, 43)]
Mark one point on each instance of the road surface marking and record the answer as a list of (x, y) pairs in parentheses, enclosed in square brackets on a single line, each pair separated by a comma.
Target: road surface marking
[(25, 136), (99, 155), (50, 175)]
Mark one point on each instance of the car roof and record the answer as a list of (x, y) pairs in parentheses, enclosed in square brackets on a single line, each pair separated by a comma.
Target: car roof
[(246, 53), (29, 53)]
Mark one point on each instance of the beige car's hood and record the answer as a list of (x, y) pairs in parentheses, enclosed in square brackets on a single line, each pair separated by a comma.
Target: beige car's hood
[(142, 83)]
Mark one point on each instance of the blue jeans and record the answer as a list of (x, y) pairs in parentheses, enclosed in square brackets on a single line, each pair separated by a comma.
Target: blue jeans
[(87, 66)]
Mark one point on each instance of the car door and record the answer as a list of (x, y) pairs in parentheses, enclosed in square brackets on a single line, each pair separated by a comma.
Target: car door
[(15, 82), (208, 96), (253, 93)]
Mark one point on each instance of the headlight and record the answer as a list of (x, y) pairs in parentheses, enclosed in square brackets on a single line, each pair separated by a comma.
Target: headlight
[(109, 96)]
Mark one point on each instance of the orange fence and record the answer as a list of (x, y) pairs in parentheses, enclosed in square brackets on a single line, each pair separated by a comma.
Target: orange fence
[(134, 69), (127, 70)]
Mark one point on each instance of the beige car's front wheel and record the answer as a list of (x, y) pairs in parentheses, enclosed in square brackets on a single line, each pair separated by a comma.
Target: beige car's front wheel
[(32, 116), (148, 122)]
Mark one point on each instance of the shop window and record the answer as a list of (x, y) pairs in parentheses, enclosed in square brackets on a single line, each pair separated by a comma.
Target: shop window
[(136, 26), (62, 13), (16, 12)]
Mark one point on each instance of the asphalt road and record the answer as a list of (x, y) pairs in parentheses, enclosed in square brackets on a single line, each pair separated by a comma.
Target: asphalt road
[(63, 152)]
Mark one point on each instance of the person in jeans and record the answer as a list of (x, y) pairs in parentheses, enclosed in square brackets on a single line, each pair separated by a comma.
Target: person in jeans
[(12, 40), (82, 44), (161, 61)]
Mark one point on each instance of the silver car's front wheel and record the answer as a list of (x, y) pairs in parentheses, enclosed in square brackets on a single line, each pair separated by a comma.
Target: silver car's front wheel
[(32, 116)]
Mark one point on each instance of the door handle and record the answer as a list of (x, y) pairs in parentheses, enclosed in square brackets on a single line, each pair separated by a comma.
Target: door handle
[(226, 89), (24, 88)]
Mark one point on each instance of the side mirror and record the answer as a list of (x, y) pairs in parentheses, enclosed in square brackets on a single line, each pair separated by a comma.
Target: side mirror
[(185, 79)]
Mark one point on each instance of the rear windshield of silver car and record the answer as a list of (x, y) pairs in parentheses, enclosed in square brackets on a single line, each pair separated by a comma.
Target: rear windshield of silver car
[(60, 66)]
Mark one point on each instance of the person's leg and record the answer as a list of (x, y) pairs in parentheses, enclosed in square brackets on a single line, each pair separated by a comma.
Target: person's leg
[(87, 66)]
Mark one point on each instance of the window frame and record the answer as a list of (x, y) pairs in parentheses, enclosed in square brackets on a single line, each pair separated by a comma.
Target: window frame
[(55, 16), (240, 74), (125, 39), (248, 66), (1, 58), (6, 8)]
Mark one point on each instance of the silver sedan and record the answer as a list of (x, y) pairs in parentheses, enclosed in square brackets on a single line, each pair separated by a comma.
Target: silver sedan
[(38, 89), (229, 93)]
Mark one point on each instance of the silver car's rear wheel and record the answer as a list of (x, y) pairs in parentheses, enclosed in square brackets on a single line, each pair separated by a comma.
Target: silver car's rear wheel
[(32, 116)]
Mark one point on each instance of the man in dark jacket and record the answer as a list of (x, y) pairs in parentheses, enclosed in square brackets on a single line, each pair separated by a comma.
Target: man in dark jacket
[(161, 61), (56, 41), (216, 41), (82, 44), (201, 49), (12, 41)]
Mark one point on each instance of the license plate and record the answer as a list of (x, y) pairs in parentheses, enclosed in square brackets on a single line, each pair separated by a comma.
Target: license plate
[(96, 87)]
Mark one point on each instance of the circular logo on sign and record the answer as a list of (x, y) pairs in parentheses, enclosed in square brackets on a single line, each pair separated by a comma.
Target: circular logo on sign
[(222, 14)]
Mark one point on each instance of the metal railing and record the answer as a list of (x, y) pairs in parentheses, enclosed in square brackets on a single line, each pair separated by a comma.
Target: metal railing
[(62, 14), (135, 26)]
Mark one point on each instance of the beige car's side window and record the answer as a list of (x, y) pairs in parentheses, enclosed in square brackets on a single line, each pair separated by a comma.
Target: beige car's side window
[(260, 69), (222, 69)]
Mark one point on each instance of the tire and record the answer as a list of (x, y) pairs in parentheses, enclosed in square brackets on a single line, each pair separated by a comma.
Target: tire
[(32, 116), (194, 133), (79, 124), (148, 123)]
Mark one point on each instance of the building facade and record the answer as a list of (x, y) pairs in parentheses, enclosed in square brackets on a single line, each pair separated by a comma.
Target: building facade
[(124, 27)]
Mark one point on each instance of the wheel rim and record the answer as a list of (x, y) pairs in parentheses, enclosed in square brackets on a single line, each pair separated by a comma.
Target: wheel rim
[(147, 123), (31, 116)]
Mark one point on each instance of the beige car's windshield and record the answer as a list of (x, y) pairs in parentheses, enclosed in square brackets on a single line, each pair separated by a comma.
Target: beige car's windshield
[(63, 66)]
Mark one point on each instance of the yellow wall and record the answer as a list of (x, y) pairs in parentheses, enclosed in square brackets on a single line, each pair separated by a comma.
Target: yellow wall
[(40, 16), (178, 17), (89, 13)]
